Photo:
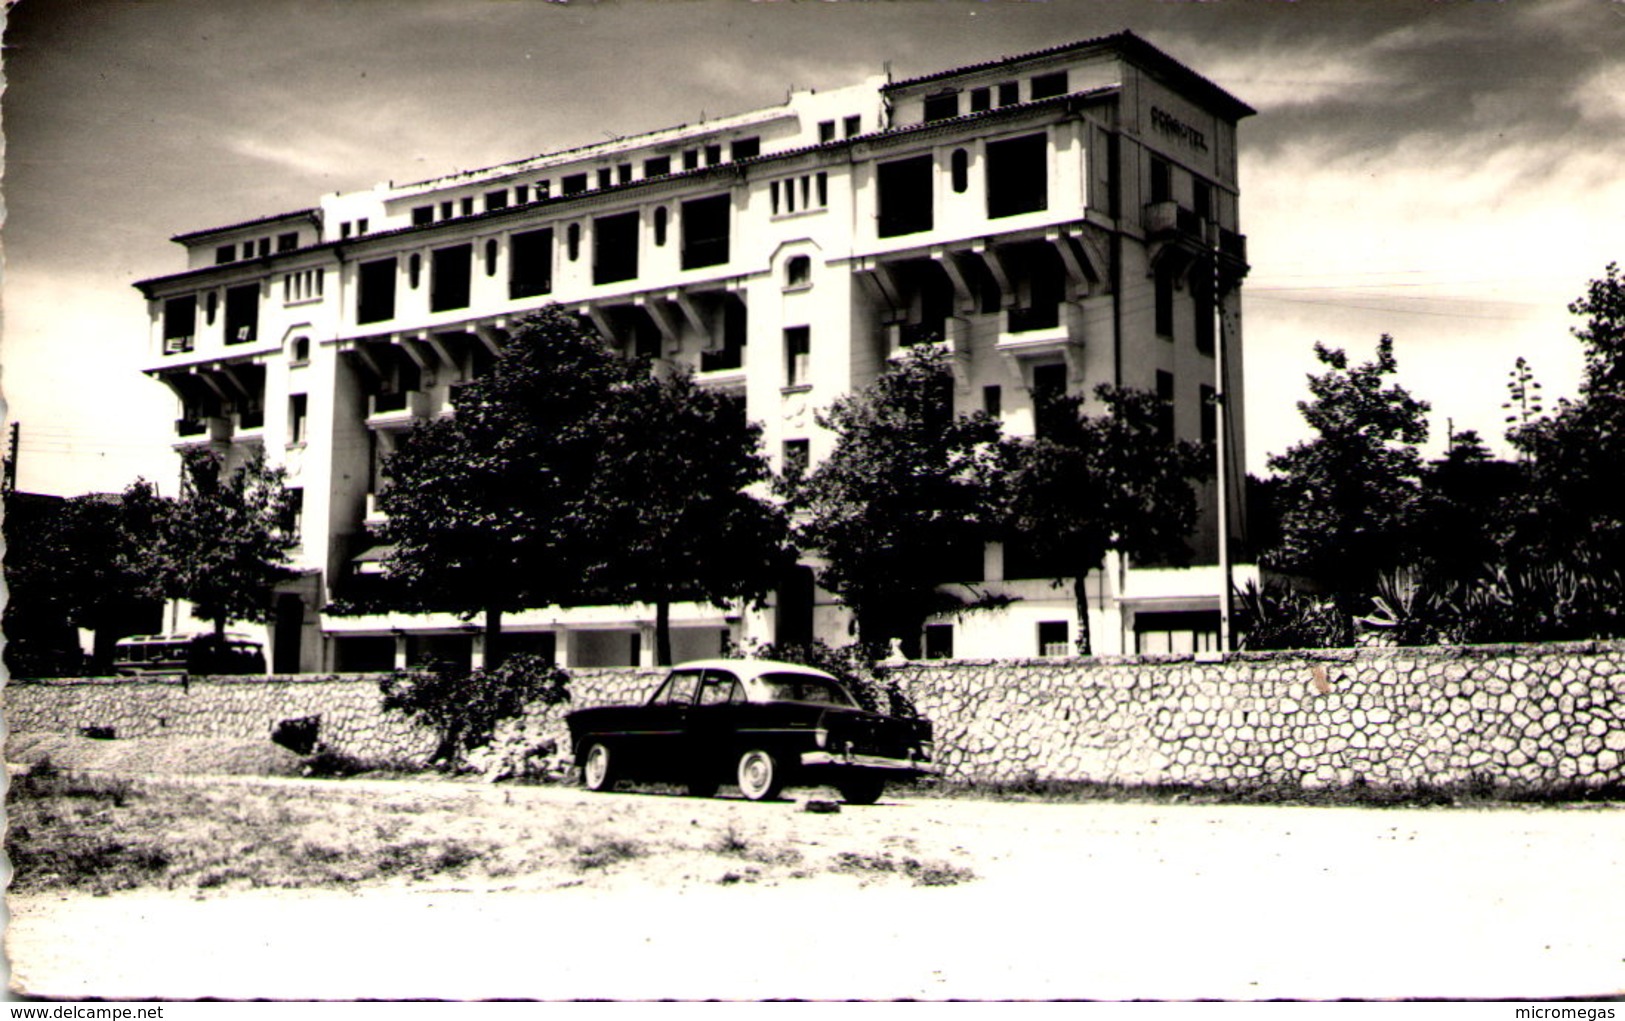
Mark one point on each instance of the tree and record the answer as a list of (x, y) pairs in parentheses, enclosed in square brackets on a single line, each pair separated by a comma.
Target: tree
[(1349, 497), (1574, 504), (670, 509), (224, 544), (901, 500), (1463, 512), (1089, 485), (489, 510), (105, 575)]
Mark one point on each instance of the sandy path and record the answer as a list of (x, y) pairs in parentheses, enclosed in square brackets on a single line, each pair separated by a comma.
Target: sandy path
[(1095, 901)]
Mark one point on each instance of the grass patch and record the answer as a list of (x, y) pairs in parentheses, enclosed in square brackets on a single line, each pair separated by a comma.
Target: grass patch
[(921, 872), (72, 832)]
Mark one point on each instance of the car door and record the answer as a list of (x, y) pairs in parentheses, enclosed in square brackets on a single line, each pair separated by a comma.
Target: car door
[(652, 738), (709, 741)]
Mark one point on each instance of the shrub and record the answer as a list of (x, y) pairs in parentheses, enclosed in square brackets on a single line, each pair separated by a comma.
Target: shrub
[(1278, 617), (1550, 602), (464, 709)]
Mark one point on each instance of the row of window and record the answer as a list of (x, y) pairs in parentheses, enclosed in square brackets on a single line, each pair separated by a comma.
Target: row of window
[(1016, 176), (798, 194), (302, 285), (242, 317), (705, 237), (850, 126), (574, 184), (945, 104), (262, 246)]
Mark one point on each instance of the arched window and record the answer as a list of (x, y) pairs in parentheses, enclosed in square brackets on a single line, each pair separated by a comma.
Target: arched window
[(414, 269), (798, 271), (960, 165), (660, 225), (491, 257), (572, 241)]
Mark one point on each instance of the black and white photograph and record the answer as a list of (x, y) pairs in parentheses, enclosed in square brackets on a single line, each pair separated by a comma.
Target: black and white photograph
[(723, 500)]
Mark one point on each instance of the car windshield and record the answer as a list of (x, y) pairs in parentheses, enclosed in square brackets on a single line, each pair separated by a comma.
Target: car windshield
[(786, 687)]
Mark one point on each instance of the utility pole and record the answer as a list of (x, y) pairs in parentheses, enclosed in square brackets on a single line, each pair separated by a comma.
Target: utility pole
[(1221, 421)]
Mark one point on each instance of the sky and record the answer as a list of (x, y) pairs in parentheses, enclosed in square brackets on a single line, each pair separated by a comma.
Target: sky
[(1448, 173)]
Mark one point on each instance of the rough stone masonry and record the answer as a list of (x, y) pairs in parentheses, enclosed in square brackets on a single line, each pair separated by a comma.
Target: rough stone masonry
[(1530, 716)]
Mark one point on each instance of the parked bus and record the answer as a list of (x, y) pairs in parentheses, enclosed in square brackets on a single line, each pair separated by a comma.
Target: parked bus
[(188, 654)]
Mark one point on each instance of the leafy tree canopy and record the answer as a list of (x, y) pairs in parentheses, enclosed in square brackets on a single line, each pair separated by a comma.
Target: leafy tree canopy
[(486, 509), (1349, 496), (1091, 484), (671, 509), (224, 544), (904, 491), (571, 474), (1574, 503)]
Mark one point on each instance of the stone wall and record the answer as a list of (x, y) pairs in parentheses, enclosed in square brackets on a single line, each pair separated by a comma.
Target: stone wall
[(1528, 716), (228, 707)]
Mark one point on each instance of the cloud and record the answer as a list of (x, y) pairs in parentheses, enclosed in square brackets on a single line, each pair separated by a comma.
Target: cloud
[(1601, 96)]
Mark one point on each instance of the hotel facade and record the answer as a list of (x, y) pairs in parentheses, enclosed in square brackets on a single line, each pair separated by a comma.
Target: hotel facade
[(1054, 221)]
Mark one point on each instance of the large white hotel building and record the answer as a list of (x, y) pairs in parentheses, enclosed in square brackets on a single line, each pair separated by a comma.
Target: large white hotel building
[(1060, 219)]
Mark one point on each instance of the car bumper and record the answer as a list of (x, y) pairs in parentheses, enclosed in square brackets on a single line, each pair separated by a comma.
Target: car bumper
[(877, 762)]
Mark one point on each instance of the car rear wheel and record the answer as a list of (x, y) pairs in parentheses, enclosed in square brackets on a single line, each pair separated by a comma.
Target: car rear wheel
[(759, 776), (598, 768), (861, 790)]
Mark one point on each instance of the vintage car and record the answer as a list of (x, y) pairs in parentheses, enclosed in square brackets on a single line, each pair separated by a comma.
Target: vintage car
[(761, 724)]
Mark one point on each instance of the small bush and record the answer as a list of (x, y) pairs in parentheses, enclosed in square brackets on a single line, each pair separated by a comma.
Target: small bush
[(464, 709)]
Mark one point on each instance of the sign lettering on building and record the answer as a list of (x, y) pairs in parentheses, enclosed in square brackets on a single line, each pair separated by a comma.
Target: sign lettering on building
[(1168, 124)]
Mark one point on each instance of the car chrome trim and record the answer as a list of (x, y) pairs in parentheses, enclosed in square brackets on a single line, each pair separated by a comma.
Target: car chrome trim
[(867, 762)]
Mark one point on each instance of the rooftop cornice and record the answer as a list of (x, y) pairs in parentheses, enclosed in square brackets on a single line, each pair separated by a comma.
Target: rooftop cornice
[(313, 216), (1126, 44)]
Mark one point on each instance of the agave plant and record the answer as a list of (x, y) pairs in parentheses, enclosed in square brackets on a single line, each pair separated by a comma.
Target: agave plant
[(1275, 616)]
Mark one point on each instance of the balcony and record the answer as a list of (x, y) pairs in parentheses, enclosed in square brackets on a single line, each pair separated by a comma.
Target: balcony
[(1032, 320), (1164, 220), (192, 431), (726, 380), (1040, 333), (397, 410), (949, 333)]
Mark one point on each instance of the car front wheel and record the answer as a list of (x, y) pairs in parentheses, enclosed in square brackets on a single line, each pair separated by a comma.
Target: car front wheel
[(597, 769), (759, 775), (861, 790)]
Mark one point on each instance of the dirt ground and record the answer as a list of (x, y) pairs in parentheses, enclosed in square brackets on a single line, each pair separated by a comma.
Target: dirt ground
[(1097, 901)]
